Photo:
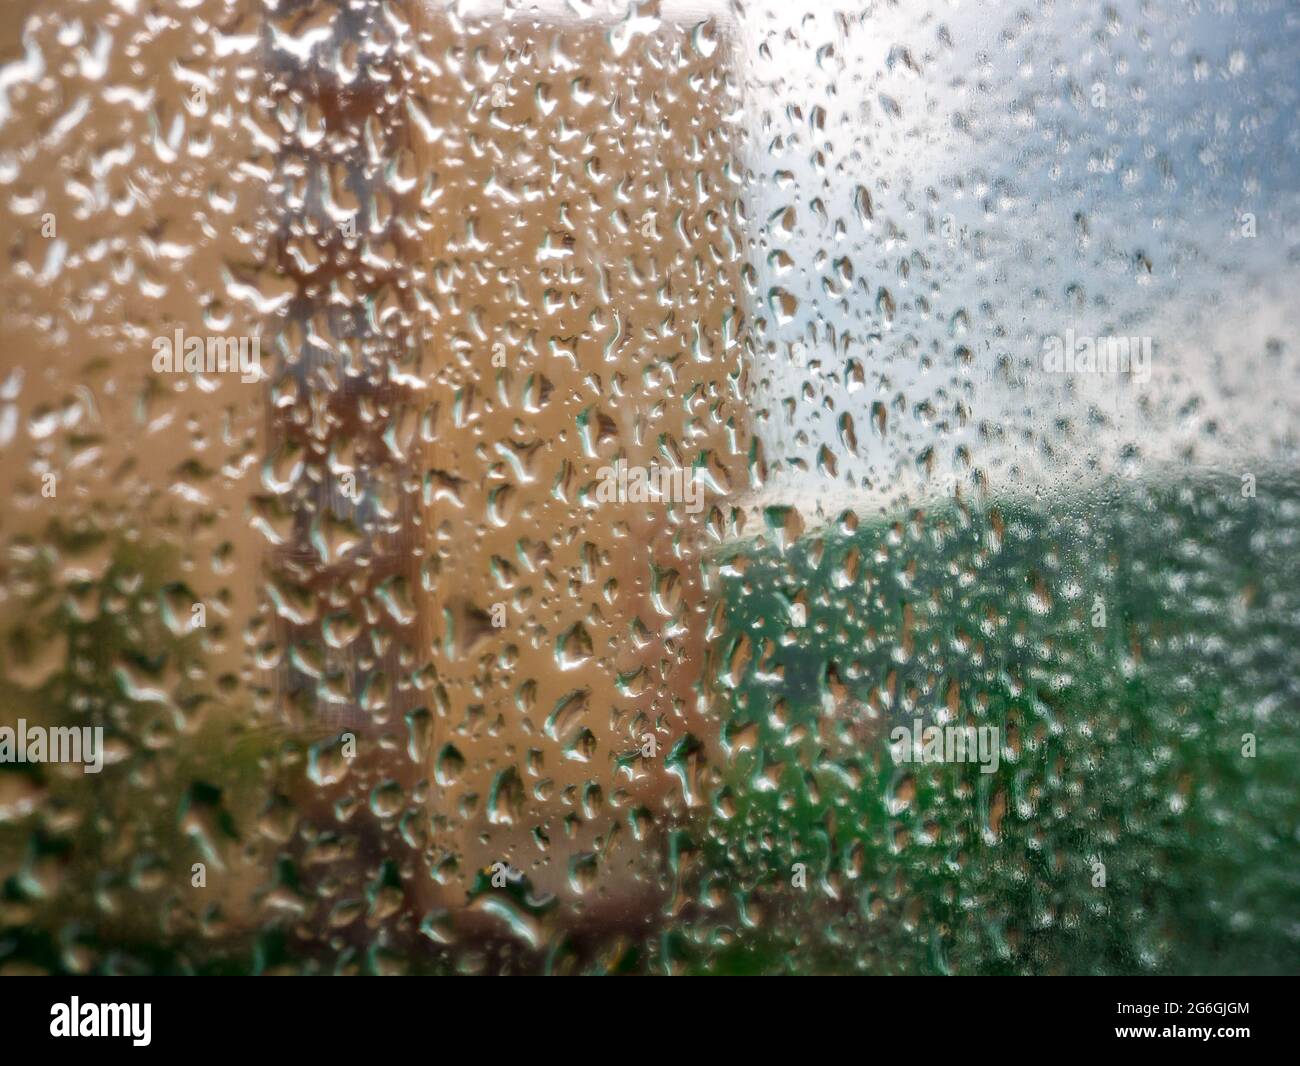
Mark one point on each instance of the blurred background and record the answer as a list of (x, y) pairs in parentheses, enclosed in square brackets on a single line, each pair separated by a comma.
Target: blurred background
[(388, 686)]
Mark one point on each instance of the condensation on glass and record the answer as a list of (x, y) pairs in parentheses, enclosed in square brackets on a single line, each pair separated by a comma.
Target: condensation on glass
[(670, 487)]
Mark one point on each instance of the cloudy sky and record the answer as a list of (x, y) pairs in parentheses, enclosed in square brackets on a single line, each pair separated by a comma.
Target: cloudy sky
[(1030, 170)]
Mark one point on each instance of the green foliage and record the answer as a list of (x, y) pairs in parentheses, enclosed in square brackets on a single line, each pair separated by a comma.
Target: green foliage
[(1123, 742)]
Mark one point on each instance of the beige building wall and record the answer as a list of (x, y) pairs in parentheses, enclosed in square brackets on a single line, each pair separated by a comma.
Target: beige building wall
[(583, 231), (484, 261)]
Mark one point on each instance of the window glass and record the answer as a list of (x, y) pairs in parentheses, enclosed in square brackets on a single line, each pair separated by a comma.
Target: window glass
[(672, 487)]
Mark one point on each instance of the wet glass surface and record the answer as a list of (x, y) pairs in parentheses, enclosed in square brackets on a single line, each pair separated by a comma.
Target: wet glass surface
[(675, 487)]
